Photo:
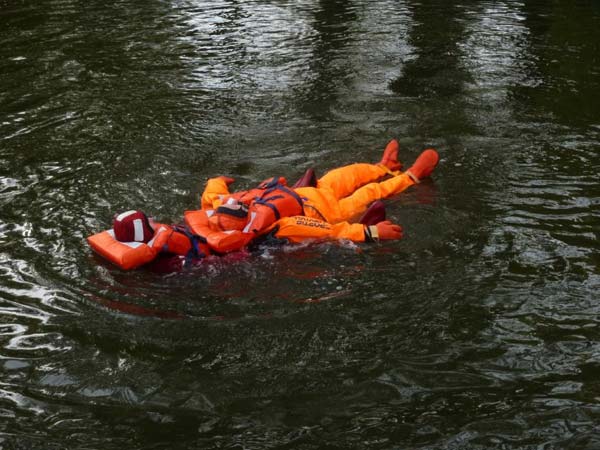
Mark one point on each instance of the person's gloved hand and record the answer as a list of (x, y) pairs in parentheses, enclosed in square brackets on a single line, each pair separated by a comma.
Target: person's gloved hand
[(385, 230), (227, 180)]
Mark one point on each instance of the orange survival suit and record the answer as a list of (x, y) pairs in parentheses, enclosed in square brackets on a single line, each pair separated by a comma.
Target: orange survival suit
[(320, 212)]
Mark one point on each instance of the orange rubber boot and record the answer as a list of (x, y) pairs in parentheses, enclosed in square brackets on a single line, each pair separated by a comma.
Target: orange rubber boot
[(390, 156), (424, 165)]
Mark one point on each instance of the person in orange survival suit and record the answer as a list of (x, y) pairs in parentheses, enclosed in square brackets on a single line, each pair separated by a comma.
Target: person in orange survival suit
[(312, 212)]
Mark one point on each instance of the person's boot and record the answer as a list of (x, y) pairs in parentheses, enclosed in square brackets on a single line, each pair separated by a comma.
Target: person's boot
[(390, 156), (309, 179), (424, 165)]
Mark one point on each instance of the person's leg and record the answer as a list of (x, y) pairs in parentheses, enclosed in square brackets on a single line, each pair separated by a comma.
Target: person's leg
[(343, 181), (323, 203), (362, 197), (319, 203)]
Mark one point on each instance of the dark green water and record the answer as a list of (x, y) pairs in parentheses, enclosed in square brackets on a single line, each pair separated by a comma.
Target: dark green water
[(480, 330)]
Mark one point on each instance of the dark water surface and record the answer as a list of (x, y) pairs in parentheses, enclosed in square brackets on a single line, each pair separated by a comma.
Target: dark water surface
[(480, 330)]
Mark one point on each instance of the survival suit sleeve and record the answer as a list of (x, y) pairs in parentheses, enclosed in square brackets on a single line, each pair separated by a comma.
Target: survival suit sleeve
[(215, 190), (301, 228)]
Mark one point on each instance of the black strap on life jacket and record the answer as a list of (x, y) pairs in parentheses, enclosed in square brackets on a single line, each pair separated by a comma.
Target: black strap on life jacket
[(195, 239), (270, 205), (240, 211), (267, 240), (272, 186)]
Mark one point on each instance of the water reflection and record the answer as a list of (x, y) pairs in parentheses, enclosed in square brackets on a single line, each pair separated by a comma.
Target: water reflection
[(435, 77), (564, 63), (327, 71), (478, 330), (436, 68)]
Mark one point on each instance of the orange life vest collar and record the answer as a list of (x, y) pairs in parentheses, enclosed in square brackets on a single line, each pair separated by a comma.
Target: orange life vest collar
[(275, 202)]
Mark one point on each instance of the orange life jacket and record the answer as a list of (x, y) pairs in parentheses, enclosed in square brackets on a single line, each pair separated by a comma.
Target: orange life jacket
[(130, 255), (231, 226), (126, 255), (179, 241), (246, 197), (222, 241), (276, 201), (229, 216)]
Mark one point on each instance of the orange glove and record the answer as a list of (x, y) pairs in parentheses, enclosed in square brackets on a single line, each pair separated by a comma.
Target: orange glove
[(385, 230)]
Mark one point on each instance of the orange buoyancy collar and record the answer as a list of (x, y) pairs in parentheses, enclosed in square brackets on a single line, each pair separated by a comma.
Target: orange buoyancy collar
[(221, 241), (130, 255), (275, 202)]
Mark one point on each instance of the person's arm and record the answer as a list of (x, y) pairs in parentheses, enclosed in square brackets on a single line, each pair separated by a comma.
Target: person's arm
[(301, 228), (215, 190)]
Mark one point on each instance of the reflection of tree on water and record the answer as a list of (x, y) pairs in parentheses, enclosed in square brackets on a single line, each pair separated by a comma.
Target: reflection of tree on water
[(436, 35), (558, 107), (332, 23), (435, 88), (564, 72), (436, 74)]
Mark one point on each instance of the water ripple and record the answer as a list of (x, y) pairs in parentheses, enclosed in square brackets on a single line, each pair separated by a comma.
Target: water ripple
[(478, 330)]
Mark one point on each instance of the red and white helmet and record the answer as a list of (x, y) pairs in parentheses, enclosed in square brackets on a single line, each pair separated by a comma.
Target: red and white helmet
[(132, 226)]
